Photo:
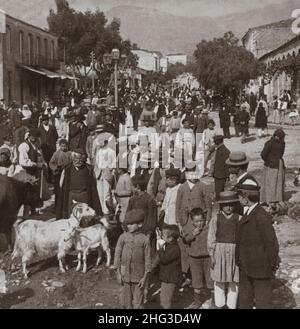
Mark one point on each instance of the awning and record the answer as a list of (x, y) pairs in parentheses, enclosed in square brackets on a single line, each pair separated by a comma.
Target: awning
[(29, 68), (48, 73), (51, 74)]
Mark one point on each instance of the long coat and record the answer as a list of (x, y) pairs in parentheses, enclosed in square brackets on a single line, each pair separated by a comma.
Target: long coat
[(224, 116), (63, 206), (220, 167), (261, 119), (48, 141), (257, 246)]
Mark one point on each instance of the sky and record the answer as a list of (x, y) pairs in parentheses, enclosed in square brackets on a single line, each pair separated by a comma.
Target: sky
[(212, 8)]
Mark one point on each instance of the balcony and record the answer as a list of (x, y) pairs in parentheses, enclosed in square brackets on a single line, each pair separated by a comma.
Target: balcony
[(40, 61)]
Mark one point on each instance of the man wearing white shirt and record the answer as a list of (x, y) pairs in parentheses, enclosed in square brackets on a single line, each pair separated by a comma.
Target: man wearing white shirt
[(105, 163), (168, 209)]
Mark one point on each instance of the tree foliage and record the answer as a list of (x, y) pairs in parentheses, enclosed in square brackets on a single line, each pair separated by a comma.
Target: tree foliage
[(223, 65), (80, 33)]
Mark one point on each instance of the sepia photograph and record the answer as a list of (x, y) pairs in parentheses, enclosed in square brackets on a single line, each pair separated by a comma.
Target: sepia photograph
[(149, 157)]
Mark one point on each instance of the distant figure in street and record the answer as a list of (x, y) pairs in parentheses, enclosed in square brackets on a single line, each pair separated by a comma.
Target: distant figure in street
[(220, 169), (224, 116), (261, 120), (253, 103), (243, 119), (272, 190)]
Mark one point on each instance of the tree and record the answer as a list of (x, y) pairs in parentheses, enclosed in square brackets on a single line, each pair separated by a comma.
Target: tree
[(224, 66), (174, 70), (80, 33)]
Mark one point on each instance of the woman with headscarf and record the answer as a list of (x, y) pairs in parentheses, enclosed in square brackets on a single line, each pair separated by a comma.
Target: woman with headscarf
[(272, 191)]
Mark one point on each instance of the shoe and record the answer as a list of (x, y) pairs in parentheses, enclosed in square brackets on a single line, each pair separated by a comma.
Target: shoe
[(187, 282), (193, 306)]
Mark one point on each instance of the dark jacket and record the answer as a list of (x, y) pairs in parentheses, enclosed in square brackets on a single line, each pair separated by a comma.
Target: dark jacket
[(224, 116), (197, 244), (63, 206), (257, 246), (48, 138), (201, 123), (220, 167), (169, 263), (77, 137), (272, 153), (133, 256), (261, 119)]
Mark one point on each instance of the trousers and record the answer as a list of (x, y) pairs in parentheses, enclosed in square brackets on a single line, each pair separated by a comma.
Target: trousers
[(166, 294), (226, 294), (132, 297), (254, 292), (104, 192)]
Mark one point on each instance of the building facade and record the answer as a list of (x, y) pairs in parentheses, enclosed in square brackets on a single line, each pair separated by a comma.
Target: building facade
[(260, 40), (177, 58), (147, 60), (283, 81), (29, 62)]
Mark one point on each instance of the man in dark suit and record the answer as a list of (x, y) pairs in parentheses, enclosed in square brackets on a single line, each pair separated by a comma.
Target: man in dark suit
[(256, 250), (220, 168), (48, 137)]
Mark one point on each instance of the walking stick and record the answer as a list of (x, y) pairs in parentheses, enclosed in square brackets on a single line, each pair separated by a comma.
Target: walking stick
[(41, 188)]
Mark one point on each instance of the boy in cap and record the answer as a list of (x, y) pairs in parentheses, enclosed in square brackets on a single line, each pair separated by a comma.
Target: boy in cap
[(168, 258), (196, 238), (133, 260), (256, 249)]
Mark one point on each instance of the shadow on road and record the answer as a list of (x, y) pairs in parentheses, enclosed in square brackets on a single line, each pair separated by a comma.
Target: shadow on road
[(16, 297)]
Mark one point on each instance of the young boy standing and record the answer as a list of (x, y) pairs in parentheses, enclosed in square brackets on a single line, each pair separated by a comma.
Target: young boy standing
[(133, 261), (168, 258), (199, 260)]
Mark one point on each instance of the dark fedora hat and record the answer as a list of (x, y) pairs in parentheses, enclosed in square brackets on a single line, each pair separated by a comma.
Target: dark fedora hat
[(44, 117), (249, 186), (237, 159), (172, 172), (228, 197)]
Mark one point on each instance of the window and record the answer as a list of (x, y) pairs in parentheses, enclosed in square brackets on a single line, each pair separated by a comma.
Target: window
[(38, 47), (21, 44), (30, 49), (46, 48), (8, 39), (52, 50)]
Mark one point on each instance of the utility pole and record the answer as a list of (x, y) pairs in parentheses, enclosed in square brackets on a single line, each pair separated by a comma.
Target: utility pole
[(93, 70)]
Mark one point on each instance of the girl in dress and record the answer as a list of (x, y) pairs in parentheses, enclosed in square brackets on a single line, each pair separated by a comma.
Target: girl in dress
[(221, 248)]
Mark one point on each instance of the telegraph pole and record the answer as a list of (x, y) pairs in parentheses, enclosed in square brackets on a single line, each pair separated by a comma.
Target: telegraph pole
[(93, 70)]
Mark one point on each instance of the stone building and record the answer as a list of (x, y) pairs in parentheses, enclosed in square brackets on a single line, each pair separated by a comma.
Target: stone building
[(281, 81), (29, 64)]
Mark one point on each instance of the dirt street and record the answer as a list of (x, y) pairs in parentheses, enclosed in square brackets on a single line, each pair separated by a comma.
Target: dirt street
[(46, 288)]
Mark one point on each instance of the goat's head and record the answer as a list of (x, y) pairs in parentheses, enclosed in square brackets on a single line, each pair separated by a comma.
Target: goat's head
[(81, 210)]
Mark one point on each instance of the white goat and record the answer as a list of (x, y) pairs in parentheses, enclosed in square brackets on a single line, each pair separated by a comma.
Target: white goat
[(93, 237), (34, 237)]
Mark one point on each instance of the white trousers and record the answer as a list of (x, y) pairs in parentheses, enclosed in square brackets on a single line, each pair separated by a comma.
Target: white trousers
[(223, 297), (104, 192)]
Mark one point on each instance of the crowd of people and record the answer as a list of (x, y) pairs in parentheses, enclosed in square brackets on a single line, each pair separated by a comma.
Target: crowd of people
[(145, 164)]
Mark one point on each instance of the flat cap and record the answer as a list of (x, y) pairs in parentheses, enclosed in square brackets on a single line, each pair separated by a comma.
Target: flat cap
[(134, 216)]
